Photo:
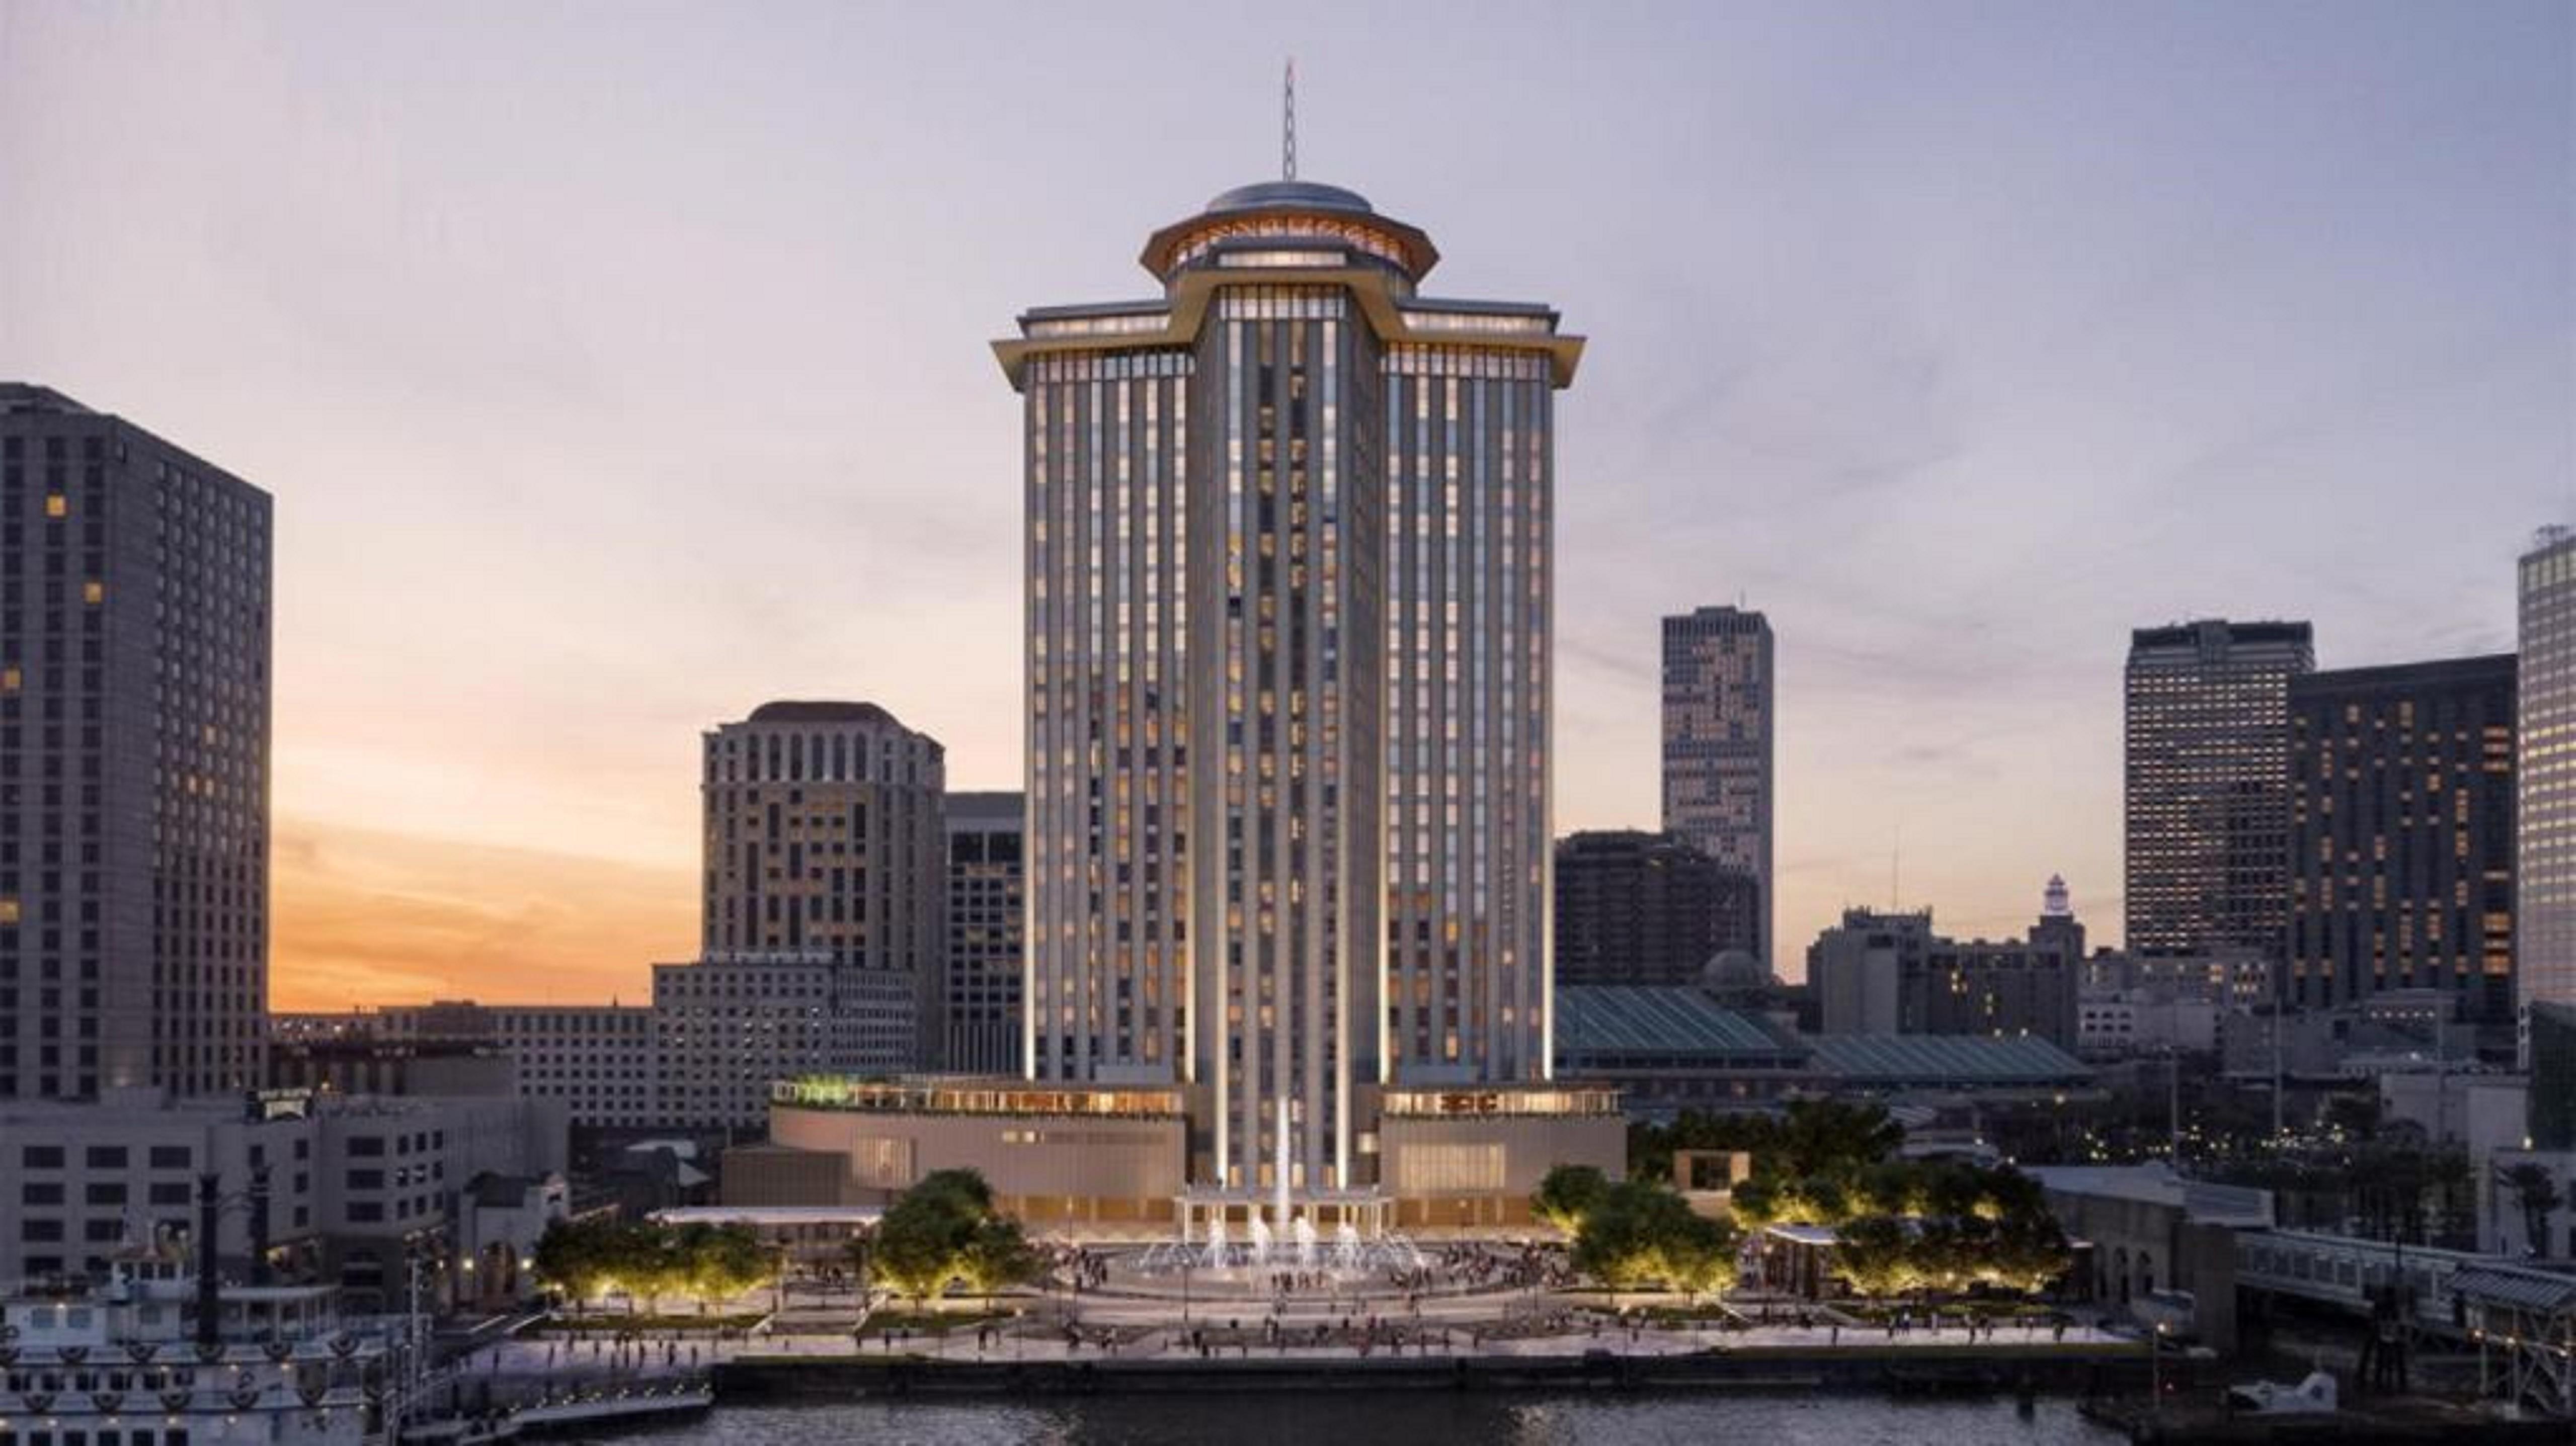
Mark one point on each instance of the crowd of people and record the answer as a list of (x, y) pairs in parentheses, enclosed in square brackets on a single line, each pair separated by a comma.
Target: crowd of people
[(1078, 1269)]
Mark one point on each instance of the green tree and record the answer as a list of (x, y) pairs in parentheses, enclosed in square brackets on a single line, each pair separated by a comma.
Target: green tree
[(966, 1188), (1651, 1146), (1567, 1194), (2536, 1194), (1821, 1137), (1961, 1225), (944, 1230), (1876, 1254), (1697, 1255), (714, 1264), (1641, 1232), (573, 1258), (1811, 1200), (647, 1264), (996, 1256)]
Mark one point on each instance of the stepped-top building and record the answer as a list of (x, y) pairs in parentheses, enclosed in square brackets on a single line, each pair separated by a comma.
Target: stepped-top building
[(1287, 502), (1289, 675)]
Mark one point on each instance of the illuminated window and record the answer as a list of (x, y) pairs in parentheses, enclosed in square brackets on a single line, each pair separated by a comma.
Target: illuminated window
[(93, 592), (57, 505), (8, 911)]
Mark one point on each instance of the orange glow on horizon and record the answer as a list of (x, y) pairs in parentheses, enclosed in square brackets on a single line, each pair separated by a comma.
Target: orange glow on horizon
[(362, 917)]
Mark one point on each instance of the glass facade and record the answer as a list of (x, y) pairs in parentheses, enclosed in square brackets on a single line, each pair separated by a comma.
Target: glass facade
[(1109, 698), (2208, 798), (2545, 850), (1471, 503), (1288, 672)]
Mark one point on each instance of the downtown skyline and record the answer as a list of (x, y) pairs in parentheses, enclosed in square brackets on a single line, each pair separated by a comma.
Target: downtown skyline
[(1954, 439)]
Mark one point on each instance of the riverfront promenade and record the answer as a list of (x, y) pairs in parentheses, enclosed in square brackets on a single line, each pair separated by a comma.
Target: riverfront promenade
[(1130, 1331), (1490, 1310)]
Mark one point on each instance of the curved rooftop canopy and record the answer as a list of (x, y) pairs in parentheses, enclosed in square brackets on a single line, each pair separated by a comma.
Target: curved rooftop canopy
[(1261, 194), (1271, 210)]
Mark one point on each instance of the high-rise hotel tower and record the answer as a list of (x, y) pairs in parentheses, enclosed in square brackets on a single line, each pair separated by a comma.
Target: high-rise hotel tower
[(134, 699), (1289, 599)]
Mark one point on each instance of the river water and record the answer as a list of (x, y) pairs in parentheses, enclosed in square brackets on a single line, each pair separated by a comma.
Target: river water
[(1407, 1418)]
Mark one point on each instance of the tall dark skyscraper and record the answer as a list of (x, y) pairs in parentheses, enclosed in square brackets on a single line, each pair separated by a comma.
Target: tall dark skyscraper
[(2402, 837), (2545, 772), (1646, 908), (987, 898), (134, 718), (1718, 705), (2208, 797), (1284, 505)]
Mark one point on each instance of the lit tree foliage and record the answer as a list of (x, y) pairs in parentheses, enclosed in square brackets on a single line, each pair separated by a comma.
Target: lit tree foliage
[(1637, 1233), (647, 1260), (944, 1231), (1567, 1194)]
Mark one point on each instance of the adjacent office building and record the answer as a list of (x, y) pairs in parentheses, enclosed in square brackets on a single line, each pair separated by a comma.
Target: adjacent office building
[(357, 1191), (1857, 971), (2402, 835), (2545, 775), (2208, 796), (825, 849), (1891, 974), (726, 1029), (600, 1062), (703, 1055), (1717, 779), (1646, 908), (823, 838), (826, 900), (134, 717), (2011, 987), (987, 890)]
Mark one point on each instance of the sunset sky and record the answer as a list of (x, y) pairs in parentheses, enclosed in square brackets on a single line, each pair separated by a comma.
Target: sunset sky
[(617, 367)]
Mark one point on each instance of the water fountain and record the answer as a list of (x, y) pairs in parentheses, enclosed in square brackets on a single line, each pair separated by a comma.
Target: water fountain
[(1242, 1258)]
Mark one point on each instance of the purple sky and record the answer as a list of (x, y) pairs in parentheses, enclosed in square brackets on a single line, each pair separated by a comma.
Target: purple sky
[(619, 366)]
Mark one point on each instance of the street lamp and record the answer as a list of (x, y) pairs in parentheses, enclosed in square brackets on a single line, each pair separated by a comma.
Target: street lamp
[(2156, 1373)]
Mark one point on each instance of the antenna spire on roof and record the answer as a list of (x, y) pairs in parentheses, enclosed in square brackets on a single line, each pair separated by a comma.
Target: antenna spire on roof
[(1288, 127)]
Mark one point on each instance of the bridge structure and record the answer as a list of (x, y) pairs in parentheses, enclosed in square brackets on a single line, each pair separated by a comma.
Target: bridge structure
[(2521, 1316)]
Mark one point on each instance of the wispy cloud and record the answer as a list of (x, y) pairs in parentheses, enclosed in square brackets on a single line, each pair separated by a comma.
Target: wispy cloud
[(364, 916), (612, 378)]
